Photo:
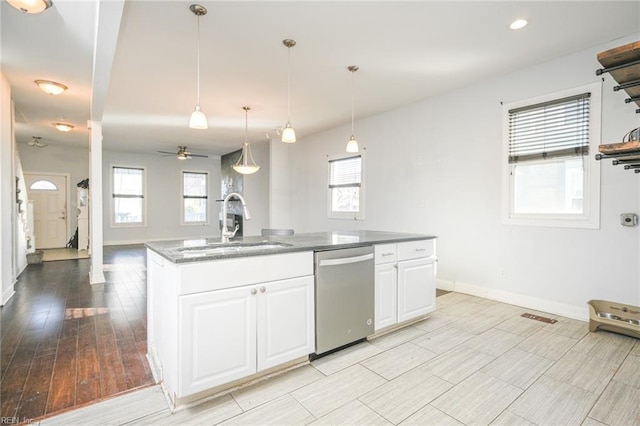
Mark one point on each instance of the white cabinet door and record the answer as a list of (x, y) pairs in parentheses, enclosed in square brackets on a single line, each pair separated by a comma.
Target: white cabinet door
[(286, 329), (416, 288), (217, 342), (386, 291)]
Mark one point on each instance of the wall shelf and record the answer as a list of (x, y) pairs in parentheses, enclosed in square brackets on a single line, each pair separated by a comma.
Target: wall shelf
[(623, 64)]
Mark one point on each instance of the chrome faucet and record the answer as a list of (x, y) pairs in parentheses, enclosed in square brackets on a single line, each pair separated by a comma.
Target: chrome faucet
[(226, 234)]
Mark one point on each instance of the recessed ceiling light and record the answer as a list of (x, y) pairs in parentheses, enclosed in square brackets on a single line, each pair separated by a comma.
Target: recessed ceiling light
[(518, 24), (63, 127), (30, 6), (51, 87)]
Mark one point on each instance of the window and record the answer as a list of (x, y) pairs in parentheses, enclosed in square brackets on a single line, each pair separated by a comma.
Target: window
[(346, 187), (550, 177), (195, 200), (128, 196), (43, 185)]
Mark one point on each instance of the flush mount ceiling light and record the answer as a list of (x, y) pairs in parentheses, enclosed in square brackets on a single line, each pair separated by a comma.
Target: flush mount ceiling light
[(51, 87), (518, 24), (352, 145), (198, 120), (63, 127), (246, 164), (36, 141), (288, 134), (30, 6)]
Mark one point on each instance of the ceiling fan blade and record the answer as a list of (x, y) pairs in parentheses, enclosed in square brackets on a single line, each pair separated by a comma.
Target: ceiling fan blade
[(166, 152), (199, 155)]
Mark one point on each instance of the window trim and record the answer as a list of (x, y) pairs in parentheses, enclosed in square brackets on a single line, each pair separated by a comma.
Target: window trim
[(182, 198), (144, 197), (359, 215), (590, 218)]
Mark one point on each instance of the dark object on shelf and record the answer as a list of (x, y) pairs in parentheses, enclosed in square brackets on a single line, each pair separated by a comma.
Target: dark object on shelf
[(623, 63), (84, 184)]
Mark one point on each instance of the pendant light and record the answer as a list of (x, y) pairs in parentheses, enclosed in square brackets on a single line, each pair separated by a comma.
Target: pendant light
[(288, 134), (246, 164), (198, 119), (352, 145)]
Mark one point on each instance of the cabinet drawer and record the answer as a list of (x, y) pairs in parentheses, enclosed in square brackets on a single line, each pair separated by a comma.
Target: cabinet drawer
[(385, 253), (416, 249)]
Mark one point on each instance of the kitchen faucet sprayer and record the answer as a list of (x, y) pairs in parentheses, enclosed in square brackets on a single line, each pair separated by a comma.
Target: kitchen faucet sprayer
[(226, 234)]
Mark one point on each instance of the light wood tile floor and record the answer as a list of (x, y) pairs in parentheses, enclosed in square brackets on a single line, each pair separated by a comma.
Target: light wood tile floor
[(504, 370)]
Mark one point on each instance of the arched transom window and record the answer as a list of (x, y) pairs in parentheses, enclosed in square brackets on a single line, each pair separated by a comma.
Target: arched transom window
[(43, 185)]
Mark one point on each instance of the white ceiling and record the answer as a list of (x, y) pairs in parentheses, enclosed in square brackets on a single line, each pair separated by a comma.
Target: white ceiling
[(406, 51)]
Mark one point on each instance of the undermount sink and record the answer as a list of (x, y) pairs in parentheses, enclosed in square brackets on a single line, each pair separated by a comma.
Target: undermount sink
[(223, 248)]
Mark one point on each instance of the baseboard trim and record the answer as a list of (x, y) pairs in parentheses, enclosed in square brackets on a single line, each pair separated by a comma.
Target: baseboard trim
[(97, 277), (543, 305), (445, 285), (8, 294)]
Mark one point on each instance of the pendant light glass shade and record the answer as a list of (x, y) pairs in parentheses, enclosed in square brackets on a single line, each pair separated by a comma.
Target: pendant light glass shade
[(51, 87), (288, 134), (30, 6), (198, 120), (246, 165), (352, 145)]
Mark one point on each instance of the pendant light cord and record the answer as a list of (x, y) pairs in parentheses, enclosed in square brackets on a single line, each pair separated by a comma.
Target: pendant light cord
[(353, 97), (198, 56), (288, 84)]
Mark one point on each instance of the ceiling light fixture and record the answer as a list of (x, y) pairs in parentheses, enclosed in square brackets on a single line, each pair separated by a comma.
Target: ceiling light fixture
[(246, 165), (36, 141), (51, 87), (31, 6), (63, 127), (518, 24), (198, 119), (352, 145), (288, 134)]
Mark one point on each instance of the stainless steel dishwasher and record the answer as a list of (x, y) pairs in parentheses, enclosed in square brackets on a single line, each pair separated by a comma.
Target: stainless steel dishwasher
[(344, 297)]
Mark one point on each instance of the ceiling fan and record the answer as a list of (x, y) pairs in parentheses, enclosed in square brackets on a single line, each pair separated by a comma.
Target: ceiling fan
[(37, 142), (183, 154)]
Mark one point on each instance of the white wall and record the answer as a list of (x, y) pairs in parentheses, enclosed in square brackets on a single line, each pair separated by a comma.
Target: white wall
[(280, 183), (59, 159), (435, 168), (21, 229), (7, 182), (163, 197)]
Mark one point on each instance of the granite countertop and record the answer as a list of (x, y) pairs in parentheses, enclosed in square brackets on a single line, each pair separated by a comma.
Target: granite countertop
[(203, 249)]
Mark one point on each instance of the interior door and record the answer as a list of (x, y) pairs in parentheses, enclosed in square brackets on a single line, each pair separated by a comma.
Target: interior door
[(49, 195)]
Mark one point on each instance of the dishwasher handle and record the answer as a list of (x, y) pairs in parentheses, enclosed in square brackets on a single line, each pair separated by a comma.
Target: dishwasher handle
[(345, 260)]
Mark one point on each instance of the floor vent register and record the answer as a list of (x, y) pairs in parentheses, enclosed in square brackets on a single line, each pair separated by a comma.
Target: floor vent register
[(539, 318)]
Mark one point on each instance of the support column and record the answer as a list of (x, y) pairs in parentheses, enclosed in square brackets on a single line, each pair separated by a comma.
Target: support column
[(96, 275)]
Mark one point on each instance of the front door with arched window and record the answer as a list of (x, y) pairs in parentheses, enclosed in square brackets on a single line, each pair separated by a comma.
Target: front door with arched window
[(49, 196)]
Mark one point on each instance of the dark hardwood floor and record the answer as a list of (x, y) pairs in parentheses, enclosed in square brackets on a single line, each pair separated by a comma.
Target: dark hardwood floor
[(66, 342)]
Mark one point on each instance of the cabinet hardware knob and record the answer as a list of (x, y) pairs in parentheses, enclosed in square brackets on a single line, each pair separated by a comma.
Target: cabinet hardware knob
[(262, 289), (254, 291)]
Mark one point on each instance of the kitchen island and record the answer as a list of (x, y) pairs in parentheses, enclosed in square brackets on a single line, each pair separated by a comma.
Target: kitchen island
[(224, 314)]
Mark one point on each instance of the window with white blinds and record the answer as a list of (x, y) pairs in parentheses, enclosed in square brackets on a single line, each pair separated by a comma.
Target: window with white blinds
[(549, 178), (555, 128), (128, 207), (345, 186)]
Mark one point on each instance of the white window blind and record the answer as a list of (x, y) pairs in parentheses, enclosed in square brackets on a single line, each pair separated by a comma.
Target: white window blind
[(557, 128), (345, 172), (128, 195)]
